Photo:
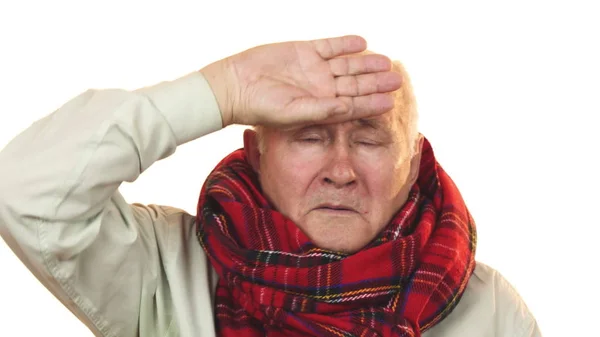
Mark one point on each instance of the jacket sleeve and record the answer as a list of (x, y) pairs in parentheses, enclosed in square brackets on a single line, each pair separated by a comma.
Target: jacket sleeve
[(60, 209)]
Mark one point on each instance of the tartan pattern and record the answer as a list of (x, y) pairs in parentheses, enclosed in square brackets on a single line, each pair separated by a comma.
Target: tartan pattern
[(274, 282)]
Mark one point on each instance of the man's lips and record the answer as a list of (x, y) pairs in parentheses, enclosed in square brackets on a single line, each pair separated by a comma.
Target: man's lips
[(335, 208)]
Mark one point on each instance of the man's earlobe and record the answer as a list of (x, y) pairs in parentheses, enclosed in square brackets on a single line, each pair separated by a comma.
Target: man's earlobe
[(415, 161), (251, 149)]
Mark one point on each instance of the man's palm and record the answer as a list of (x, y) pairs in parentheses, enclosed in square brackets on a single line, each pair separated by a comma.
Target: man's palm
[(300, 82)]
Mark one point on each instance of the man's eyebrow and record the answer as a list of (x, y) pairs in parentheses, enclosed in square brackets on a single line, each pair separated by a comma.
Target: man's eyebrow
[(302, 128), (376, 124), (372, 123)]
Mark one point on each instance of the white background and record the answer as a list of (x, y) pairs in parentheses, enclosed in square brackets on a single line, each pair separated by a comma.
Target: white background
[(508, 95)]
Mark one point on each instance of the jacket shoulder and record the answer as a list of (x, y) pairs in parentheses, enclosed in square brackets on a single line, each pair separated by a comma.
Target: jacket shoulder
[(490, 306)]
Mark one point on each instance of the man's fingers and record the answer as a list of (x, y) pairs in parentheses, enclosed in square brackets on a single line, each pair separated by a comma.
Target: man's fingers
[(337, 46), (313, 109), (335, 110), (365, 106), (367, 84), (354, 65)]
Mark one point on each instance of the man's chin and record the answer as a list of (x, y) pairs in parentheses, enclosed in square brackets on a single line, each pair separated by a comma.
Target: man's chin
[(338, 233), (341, 247)]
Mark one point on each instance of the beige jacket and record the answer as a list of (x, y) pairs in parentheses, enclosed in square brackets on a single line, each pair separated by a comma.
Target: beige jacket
[(134, 270)]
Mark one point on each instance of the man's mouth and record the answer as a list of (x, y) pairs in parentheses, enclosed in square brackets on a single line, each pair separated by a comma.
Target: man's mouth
[(336, 208)]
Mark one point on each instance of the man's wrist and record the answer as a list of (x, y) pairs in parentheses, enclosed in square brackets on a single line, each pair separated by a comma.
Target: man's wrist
[(217, 77)]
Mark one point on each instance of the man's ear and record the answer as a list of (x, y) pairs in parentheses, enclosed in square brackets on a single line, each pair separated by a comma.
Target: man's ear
[(415, 161), (251, 149)]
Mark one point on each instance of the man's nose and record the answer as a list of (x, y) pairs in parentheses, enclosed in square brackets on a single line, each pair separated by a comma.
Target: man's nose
[(340, 170)]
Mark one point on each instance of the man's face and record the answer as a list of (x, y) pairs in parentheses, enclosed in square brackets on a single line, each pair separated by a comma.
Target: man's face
[(340, 183)]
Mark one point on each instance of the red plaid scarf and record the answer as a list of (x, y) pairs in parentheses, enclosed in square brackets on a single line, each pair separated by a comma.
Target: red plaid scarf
[(274, 282)]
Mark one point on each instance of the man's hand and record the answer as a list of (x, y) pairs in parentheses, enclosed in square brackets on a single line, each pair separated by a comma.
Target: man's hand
[(299, 82)]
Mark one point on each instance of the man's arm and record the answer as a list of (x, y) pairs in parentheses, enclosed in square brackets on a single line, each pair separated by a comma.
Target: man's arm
[(60, 210), (61, 213)]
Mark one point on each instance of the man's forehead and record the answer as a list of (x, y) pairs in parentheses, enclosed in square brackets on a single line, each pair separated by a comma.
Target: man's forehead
[(379, 122), (384, 123)]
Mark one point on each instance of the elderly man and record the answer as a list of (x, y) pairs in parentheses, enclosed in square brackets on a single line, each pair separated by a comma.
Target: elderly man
[(335, 219)]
